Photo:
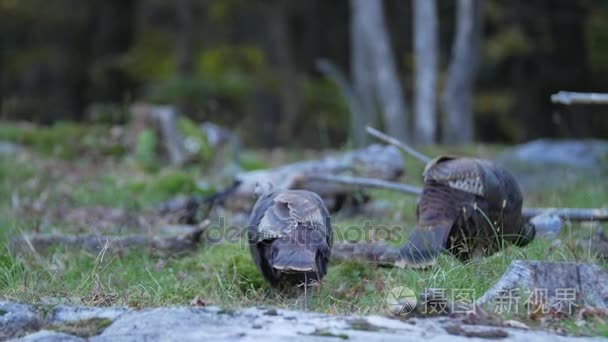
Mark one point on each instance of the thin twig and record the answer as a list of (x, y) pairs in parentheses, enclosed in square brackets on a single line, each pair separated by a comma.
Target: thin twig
[(393, 141), (572, 214), (367, 182)]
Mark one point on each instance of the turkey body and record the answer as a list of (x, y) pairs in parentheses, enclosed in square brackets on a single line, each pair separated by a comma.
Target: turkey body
[(290, 237), (468, 207)]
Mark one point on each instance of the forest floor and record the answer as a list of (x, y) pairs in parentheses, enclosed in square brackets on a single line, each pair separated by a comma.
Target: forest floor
[(42, 191)]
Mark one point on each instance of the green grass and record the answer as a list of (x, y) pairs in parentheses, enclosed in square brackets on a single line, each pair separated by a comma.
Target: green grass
[(64, 139), (224, 275)]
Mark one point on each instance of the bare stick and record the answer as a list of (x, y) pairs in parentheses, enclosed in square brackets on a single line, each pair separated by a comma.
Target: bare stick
[(572, 214), (368, 182), (568, 98), (390, 140)]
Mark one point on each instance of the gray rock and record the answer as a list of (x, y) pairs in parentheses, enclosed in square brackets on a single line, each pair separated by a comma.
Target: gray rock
[(541, 161), (251, 324), (196, 324), (50, 336), (17, 320)]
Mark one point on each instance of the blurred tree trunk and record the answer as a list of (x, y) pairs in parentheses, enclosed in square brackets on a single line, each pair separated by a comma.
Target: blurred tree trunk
[(426, 51), (185, 49), (289, 89), (362, 78), (458, 93), (387, 87)]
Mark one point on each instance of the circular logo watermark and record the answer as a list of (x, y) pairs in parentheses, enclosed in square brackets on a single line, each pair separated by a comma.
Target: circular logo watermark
[(401, 300)]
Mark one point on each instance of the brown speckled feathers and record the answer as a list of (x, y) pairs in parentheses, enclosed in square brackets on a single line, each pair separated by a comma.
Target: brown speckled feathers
[(468, 207)]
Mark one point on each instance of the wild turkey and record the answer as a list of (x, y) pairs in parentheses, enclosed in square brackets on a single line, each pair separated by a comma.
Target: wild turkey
[(290, 237), (467, 207)]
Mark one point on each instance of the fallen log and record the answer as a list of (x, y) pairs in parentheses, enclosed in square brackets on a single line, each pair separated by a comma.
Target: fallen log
[(183, 240), (571, 214), (380, 253), (375, 161), (169, 246)]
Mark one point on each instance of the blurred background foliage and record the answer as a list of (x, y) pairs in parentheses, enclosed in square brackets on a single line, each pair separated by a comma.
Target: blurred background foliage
[(66, 60)]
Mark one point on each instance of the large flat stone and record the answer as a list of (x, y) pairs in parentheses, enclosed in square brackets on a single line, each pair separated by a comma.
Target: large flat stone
[(251, 324)]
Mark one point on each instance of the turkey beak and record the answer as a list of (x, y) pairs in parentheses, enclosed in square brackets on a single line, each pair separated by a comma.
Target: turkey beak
[(295, 261)]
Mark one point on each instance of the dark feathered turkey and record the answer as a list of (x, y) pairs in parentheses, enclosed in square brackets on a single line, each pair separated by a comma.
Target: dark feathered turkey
[(290, 237), (469, 207)]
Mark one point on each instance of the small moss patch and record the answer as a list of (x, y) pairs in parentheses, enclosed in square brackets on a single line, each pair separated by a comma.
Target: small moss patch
[(229, 312), (327, 333), (82, 328), (363, 325)]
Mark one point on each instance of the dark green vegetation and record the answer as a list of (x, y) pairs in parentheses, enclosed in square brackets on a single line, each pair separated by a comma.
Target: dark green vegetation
[(228, 65), (34, 182)]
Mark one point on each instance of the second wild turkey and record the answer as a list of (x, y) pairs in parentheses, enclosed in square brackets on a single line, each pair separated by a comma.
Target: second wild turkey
[(468, 207), (290, 237)]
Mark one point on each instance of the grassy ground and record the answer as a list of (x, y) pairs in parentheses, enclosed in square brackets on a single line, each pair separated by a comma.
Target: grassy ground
[(34, 182)]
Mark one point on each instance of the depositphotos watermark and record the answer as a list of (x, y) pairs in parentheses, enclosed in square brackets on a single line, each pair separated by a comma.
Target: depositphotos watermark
[(402, 301), (221, 232)]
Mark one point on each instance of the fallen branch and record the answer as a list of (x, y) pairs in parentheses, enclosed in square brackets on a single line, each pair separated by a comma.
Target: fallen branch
[(368, 182), (395, 142), (163, 246), (569, 98), (380, 253), (375, 161), (170, 246), (572, 214)]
